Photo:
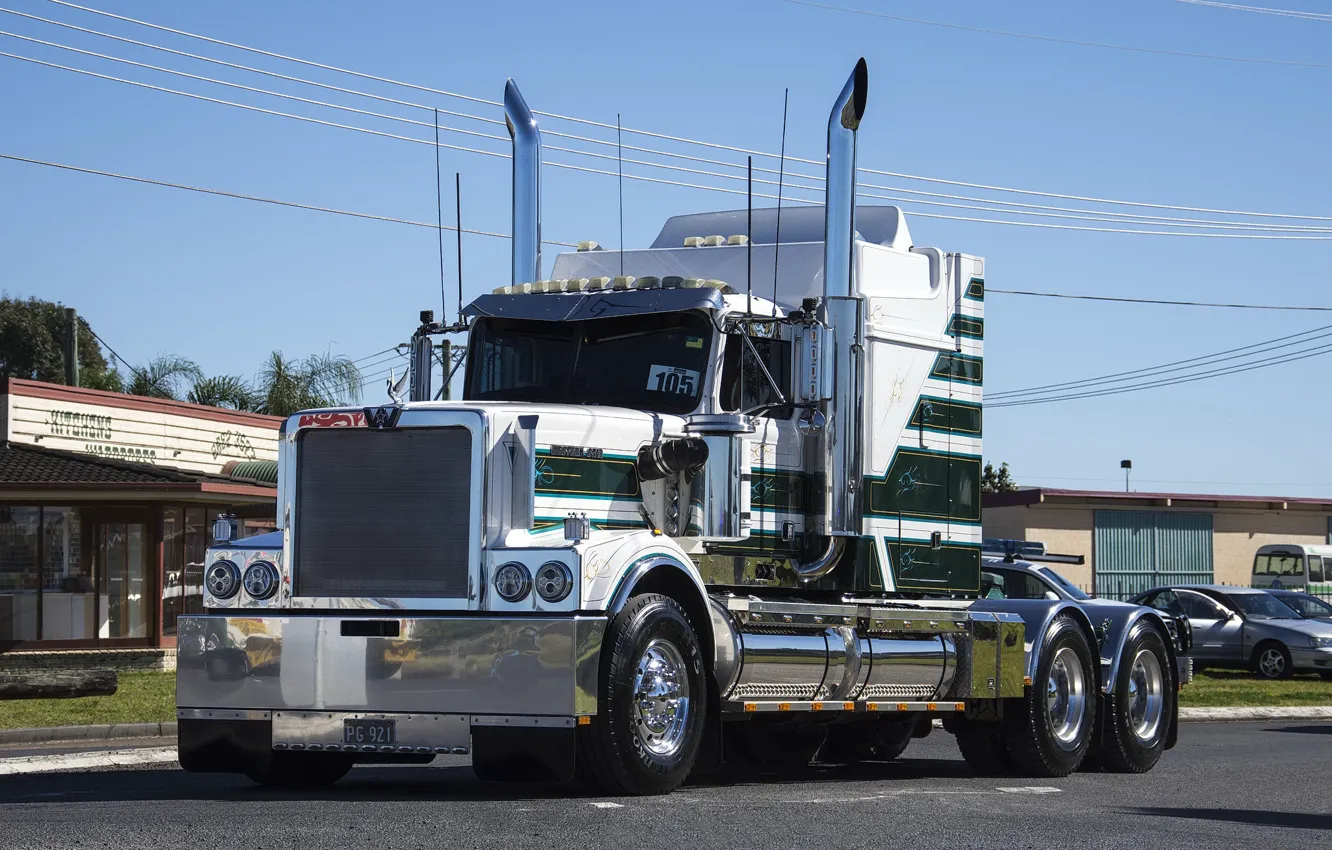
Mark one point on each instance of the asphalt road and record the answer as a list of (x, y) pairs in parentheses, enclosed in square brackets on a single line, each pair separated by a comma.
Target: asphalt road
[(1234, 785)]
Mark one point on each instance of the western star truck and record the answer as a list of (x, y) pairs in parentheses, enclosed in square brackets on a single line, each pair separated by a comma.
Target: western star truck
[(716, 498)]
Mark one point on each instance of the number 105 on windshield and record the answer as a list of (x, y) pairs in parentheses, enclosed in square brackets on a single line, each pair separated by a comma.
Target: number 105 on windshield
[(672, 379)]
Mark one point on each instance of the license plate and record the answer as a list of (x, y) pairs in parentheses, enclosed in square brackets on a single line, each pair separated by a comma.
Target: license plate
[(365, 731)]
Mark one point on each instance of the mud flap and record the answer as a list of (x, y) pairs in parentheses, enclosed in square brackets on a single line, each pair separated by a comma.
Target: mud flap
[(224, 746), (709, 758), (508, 754), (1172, 734)]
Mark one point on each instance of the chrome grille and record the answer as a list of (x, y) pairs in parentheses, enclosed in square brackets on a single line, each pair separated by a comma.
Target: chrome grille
[(383, 513)]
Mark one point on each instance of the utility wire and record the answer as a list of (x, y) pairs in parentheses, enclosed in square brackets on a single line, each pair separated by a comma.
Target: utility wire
[(679, 139), (1262, 10), (1160, 301), (104, 344), (1054, 39), (1280, 342)]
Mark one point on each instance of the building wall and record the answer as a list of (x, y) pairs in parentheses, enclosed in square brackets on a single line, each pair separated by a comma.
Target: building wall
[(1238, 534), (1064, 531)]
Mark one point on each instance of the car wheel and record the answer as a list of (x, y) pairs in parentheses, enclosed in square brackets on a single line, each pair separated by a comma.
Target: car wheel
[(1271, 660), (1139, 708), (652, 698), (1049, 731), (303, 770)]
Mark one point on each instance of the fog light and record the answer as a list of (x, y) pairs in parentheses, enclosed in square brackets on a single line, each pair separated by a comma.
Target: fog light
[(513, 582), (554, 581), (223, 579), (260, 580)]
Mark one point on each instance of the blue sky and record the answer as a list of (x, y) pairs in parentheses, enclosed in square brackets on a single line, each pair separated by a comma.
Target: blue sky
[(224, 281)]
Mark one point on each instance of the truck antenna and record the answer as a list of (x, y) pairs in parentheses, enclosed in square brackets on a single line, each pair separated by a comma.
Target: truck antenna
[(457, 196), (619, 166), (439, 228), (781, 179), (749, 240)]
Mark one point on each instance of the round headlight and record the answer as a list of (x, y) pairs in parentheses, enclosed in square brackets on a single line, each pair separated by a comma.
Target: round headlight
[(260, 580), (513, 582), (223, 579), (554, 581)]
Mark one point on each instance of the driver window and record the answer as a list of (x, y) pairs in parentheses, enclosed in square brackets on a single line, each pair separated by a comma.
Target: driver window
[(1200, 608), (743, 386), (1165, 600)]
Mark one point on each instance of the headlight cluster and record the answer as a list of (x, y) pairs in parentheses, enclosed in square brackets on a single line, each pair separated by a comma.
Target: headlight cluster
[(1320, 642), (513, 581), (224, 579)]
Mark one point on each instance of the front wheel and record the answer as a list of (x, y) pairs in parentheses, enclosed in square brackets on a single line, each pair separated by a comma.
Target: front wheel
[(652, 700), (1048, 732), (1271, 660), (1139, 708)]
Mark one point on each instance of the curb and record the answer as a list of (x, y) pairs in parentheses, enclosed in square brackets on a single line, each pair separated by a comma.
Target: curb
[(1293, 712), (114, 731)]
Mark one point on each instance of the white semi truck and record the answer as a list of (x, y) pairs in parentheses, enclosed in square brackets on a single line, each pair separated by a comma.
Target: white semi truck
[(715, 498)]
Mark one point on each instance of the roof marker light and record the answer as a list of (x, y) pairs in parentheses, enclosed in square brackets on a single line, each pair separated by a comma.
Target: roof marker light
[(691, 282), (575, 284), (693, 242), (671, 282), (649, 282), (625, 282), (738, 239), (713, 241), (599, 283), (589, 245)]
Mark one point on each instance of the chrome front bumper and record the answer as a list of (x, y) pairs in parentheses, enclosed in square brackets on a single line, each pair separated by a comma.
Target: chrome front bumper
[(496, 667)]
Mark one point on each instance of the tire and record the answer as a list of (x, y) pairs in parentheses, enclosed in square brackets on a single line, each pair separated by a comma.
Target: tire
[(1271, 660), (878, 740), (1048, 732), (1139, 709), (302, 770), (983, 748), (651, 656)]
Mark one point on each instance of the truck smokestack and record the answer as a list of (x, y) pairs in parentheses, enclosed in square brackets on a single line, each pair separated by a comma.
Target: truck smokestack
[(526, 138), (841, 312)]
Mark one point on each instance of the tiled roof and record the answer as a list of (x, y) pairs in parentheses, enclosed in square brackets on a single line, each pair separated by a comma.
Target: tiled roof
[(23, 464)]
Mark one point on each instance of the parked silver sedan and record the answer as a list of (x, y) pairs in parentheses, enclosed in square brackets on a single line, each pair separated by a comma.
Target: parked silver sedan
[(1247, 628), (1309, 606)]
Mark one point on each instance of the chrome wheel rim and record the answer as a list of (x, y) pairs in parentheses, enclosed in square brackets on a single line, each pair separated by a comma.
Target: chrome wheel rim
[(1066, 698), (1146, 695), (661, 698), (1271, 663)]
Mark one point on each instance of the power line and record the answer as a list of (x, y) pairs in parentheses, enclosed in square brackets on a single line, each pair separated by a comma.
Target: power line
[(1262, 10), (104, 344), (262, 200), (1052, 39), (1287, 341), (679, 139), (1261, 364), (1159, 301)]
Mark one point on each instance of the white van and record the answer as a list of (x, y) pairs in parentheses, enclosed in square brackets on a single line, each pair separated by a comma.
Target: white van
[(1293, 566)]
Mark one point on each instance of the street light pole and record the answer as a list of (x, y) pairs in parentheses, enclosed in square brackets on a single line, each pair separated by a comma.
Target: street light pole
[(1127, 466)]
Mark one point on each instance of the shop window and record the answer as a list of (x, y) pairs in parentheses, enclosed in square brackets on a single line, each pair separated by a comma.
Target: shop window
[(198, 531), (173, 568), (20, 579), (69, 605)]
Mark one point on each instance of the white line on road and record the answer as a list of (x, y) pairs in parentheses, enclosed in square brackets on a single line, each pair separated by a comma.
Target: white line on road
[(608, 805), (1030, 789), (86, 761)]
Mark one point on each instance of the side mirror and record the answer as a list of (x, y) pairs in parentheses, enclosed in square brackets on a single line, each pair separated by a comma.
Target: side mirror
[(1051, 595)]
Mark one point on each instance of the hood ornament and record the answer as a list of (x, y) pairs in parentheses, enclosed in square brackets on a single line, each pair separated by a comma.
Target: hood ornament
[(396, 386)]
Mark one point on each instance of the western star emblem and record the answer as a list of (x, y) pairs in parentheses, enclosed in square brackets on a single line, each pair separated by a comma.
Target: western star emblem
[(380, 418)]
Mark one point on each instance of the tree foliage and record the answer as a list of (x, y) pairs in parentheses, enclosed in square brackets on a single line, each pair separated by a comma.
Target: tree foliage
[(997, 480), (224, 391), (285, 386), (32, 345), (163, 376)]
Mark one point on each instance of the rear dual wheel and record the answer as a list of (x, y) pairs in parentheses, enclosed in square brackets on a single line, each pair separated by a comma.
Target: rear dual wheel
[(1140, 708)]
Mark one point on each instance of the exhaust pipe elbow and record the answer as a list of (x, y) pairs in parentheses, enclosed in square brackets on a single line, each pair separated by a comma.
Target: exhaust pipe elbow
[(526, 138)]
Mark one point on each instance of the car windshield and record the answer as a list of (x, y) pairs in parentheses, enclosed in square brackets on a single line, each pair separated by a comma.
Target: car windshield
[(1263, 606), (1064, 584), (651, 362), (1309, 606)]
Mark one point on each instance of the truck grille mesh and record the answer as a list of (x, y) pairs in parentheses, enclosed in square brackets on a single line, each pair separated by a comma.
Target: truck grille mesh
[(383, 513)]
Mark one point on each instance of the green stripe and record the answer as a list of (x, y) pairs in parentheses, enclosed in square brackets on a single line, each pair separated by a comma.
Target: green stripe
[(967, 326), (927, 485), (961, 367), (944, 416), (577, 476), (918, 566)]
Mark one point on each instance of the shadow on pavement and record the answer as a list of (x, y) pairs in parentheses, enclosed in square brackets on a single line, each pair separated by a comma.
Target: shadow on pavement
[(1323, 729), (409, 784), (1290, 820)]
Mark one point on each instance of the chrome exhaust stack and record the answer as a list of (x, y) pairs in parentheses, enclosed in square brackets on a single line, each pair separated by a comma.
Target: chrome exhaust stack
[(841, 312), (526, 138)]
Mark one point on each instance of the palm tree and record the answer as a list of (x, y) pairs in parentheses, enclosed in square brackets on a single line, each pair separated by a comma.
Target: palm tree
[(224, 391), (284, 386), (162, 375)]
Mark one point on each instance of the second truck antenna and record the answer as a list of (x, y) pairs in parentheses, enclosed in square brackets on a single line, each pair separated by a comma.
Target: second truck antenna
[(781, 178), (439, 228), (457, 195)]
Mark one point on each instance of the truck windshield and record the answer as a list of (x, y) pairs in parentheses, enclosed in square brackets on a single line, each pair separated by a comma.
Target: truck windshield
[(654, 362)]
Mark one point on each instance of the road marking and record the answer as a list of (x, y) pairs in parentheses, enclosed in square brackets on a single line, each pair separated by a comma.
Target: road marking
[(1031, 789), (86, 761), (608, 805)]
